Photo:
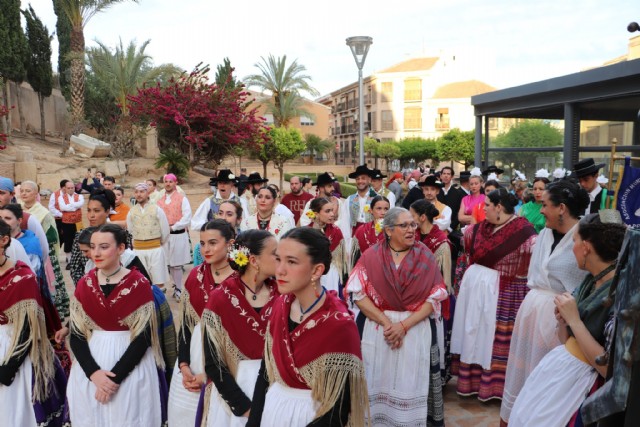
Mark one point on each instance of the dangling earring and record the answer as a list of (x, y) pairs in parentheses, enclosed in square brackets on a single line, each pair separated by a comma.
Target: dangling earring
[(315, 289)]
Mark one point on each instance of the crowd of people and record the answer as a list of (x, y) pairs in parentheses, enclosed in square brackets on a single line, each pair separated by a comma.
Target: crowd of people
[(306, 308)]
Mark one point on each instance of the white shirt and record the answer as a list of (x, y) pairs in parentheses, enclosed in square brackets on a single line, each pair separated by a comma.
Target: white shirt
[(412, 183), (52, 206), (162, 219), (72, 206), (16, 252), (592, 198), (200, 217), (362, 201), (391, 197)]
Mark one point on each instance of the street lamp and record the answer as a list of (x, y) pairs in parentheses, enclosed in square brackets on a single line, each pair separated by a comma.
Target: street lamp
[(359, 46)]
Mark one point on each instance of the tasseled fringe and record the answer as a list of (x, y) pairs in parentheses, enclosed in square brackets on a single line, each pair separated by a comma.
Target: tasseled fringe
[(188, 316), (80, 323), (228, 353), (40, 353), (137, 322), (339, 259), (443, 259), (269, 361), (355, 252), (207, 403), (327, 377)]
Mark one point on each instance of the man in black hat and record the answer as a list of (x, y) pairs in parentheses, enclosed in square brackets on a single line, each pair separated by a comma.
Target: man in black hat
[(297, 199), (492, 169), (430, 189), (464, 182), (378, 186), (358, 214), (450, 195), (208, 209), (415, 193), (587, 173), (253, 184)]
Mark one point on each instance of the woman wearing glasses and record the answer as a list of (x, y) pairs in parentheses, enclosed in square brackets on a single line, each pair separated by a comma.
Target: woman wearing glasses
[(492, 289), (397, 285)]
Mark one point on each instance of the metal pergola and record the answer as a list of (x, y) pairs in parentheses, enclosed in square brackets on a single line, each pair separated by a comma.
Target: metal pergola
[(609, 93)]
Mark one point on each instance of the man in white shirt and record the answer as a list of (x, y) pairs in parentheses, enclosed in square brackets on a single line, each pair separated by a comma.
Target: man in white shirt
[(357, 203), (70, 204), (587, 173), (224, 182), (54, 208), (430, 188)]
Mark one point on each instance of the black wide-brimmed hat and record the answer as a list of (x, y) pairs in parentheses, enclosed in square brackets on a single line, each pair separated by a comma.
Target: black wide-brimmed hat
[(255, 178), (586, 167), (361, 170), (431, 181), (224, 175), (377, 174), (464, 176), (493, 169), (324, 179)]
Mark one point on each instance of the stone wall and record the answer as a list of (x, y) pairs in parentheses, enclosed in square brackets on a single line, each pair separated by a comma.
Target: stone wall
[(55, 110)]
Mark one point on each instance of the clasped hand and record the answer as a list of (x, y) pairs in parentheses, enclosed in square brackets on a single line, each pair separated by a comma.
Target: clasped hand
[(566, 309), (394, 334), (105, 387), (191, 382)]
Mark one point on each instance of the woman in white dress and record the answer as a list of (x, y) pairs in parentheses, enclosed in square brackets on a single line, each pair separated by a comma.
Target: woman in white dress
[(115, 380), (562, 380), (553, 270), (265, 217), (188, 375)]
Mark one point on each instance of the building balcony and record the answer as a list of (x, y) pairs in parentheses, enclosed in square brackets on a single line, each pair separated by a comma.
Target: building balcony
[(442, 124), (341, 107)]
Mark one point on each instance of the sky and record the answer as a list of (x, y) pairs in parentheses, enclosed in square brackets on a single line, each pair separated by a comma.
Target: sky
[(504, 43)]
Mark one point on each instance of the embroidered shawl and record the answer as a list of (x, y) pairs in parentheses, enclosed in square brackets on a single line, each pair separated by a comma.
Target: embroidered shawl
[(367, 236), (320, 354), (195, 295), (129, 306), (20, 302), (407, 287), (277, 226)]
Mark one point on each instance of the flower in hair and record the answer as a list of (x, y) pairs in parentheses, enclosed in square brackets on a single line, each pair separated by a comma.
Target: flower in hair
[(378, 226), (240, 255), (560, 173), (310, 214), (602, 180), (520, 175), (492, 177), (542, 173), (476, 172)]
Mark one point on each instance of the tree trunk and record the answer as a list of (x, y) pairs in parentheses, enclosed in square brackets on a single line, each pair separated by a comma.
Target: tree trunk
[(43, 129), (6, 121), (264, 169), (77, 75), (281, 170), (23, 121)]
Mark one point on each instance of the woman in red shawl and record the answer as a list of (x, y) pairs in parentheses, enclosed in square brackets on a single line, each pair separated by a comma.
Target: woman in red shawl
[(398, 286), (312, 352), (216, 237), (32, 384), (234, 323), (370, 233), (499, 251), (113, 325), (322, 212)]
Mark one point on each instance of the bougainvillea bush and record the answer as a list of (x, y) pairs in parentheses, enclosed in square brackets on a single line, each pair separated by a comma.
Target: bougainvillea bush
[(200, 119)]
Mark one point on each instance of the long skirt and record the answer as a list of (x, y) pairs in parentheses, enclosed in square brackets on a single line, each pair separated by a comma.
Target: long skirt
[(489, 383), (534, 335), (219, 414), (398, 380), (136, 403), (16, 405), (183, 403), (554, 391), (287, 406)]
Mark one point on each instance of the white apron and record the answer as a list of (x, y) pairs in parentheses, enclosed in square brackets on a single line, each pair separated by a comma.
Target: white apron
[(15, 400), (219, 414), (137, 401), (183, 403), (287, 406), (474, 321)]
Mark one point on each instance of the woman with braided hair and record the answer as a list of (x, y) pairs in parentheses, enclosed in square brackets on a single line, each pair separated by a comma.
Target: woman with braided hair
[(563, 378)]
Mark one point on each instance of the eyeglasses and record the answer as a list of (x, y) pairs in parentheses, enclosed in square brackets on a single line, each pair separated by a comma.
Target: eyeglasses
[(406, 225)]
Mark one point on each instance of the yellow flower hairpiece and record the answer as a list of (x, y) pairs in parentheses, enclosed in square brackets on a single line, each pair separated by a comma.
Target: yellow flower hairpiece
[(239, 255), (311, 214), (378, 226)]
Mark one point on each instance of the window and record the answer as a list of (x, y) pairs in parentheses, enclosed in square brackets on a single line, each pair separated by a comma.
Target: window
[(616, 130), (413, 90), (442, 121), (372, 121), (306, 121), (387, 120), (387, 92), (413, 118), (493, 123), (592, 136)]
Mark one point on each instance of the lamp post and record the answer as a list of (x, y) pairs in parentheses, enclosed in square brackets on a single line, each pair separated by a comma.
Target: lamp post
[(359, 46)]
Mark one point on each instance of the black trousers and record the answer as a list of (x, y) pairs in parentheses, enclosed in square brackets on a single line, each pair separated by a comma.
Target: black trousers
[(68, 234)]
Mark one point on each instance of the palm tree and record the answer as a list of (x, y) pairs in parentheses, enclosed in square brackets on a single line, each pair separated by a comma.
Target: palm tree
[(286, 85), (122, 72), (79, 13)]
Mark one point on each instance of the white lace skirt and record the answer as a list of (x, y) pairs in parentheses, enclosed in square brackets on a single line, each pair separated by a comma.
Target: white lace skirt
[(287, 406), (183, 403), (398, 380), (137, 401), (554, 391), (219, 414), (15, 400), (474, 322), (534, 335)]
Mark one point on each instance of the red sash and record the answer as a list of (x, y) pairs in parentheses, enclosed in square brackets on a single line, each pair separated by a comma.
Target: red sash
[(243, 324), (331, 329), (109, 313), (71, 217)]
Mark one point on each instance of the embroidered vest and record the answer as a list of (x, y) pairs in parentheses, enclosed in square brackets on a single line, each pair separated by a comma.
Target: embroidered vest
[(214, 205), (173, 209), (354, 209), (56, 203), (384, 192), (71, 217), (145, 223)]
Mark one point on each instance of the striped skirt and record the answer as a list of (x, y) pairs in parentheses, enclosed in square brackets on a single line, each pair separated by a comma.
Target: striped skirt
[(489, 383)]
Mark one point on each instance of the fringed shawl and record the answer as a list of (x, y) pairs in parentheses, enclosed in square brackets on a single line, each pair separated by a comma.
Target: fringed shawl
[(321, 354), (195, 295), (366, 236), (234, 327), (436, 240), (129, 306), (20, 302), (336, 245)]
